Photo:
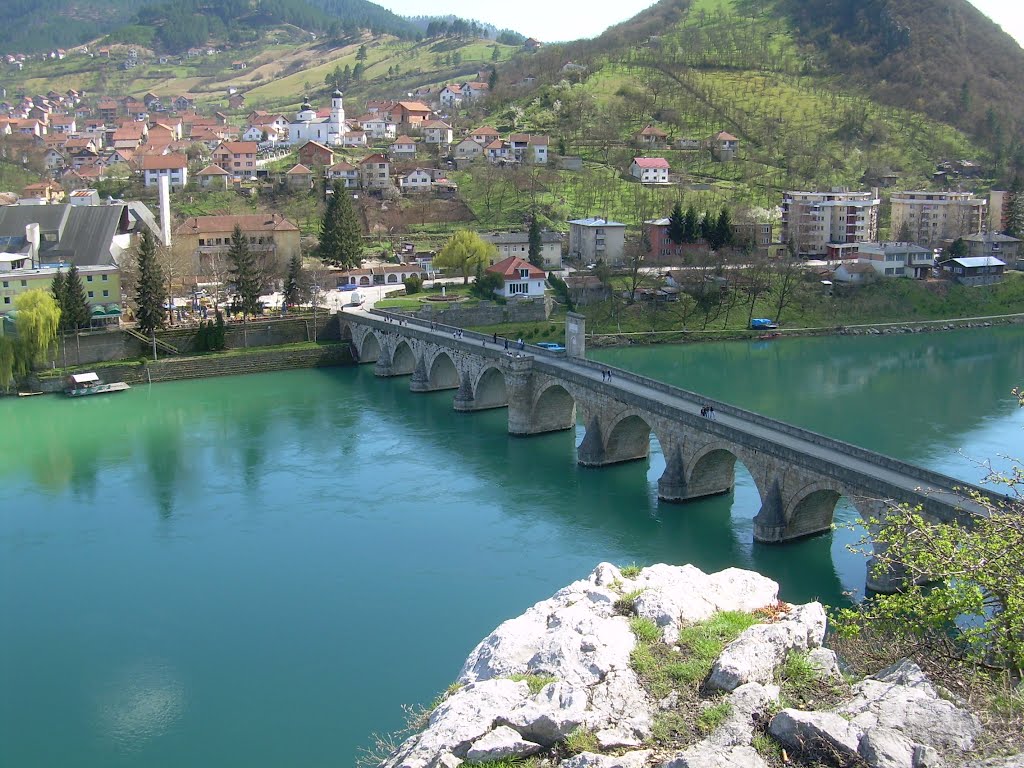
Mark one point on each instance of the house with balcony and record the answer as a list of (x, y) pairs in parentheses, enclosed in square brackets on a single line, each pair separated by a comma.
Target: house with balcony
[(417, 180), (375, 172), (208, 238), (931, 218), (595, 240), (517, 244), (811, 221), (174, 167), (236, 157), (437, 132), (897, 259), (344, 172)]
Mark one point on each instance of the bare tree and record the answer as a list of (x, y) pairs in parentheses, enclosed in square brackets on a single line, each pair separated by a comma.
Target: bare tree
[(785, 279)]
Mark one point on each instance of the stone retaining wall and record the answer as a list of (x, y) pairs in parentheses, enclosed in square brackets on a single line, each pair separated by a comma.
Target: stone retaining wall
[(176, 368), (488, 313)]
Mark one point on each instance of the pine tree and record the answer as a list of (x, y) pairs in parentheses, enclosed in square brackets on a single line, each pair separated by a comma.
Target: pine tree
[(691, 225), (706, 228), (723, 229), (341, 236), (57, 288), (1014, 214), (361, 53), (149, 298), (677, 224), (293, 282), (244, 273), (76, 305), (536, 244)]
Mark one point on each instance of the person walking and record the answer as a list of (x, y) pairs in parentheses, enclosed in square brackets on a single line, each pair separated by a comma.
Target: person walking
[(506, 345), (495, 339)]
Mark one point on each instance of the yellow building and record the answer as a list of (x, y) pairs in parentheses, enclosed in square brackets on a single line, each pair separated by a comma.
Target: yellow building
[(102, 286), (209, 237)]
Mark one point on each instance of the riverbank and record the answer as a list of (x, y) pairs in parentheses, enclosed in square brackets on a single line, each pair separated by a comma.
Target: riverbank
[(227, 363), (669, 666)]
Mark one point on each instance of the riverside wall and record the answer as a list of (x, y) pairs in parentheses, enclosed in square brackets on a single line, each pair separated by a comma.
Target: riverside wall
[(107, 345), (487, 313), (177, 368)]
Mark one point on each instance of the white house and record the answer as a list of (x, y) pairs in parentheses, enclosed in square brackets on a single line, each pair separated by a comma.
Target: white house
[(437, 132), (539, 145), (897, 259), (354, 139), (378, 126), (344, 172), (468, 149), (451, 95), (521, 278), (174, 167), (416, 181), (650, 170), (403, 146), (854, 273)]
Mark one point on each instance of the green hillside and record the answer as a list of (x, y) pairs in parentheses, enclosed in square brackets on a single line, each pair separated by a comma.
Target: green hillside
[(693, 69)]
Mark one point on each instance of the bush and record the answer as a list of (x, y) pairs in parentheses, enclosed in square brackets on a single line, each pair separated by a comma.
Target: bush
[(413, 284), (486, 284)]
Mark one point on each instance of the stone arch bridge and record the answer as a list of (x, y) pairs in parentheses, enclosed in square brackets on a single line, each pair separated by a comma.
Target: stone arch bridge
[(800, 475)]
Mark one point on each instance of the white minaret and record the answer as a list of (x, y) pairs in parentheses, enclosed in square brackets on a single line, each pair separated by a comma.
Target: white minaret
[(337, 115)]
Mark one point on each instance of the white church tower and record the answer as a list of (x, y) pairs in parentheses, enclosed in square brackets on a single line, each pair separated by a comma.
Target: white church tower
[(337, 117)]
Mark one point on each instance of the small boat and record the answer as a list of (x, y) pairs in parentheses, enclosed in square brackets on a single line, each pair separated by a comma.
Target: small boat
[(767, 336), (82, 384)]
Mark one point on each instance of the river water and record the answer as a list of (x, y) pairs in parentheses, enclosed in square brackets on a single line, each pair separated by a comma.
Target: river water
[(259, 571)]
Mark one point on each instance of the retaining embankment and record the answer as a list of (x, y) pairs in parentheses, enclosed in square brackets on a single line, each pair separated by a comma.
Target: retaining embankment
[(177, 368), (485, 313)]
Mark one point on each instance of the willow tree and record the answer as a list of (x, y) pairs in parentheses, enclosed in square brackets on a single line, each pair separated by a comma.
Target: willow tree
[(463, 253), (36, 323), (7, 362)]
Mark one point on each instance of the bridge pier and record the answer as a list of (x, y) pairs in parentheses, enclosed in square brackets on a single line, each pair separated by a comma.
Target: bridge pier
[(626, 441), (713, 475), (553, 411)]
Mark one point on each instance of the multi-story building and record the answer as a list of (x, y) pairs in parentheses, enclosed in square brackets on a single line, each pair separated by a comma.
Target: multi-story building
[(897, 259), (812, 220), (518, 244), (236, 157), (929, 218), (208, 238), (174, 167), (596, 240)]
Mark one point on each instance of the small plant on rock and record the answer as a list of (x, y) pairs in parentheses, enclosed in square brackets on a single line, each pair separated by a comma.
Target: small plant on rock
[(534, 682), (631, 571), (581, 740)]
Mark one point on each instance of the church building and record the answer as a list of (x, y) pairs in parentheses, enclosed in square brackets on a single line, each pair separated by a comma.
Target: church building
[(307, 126)]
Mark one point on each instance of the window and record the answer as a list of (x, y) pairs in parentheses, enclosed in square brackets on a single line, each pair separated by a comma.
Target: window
[(106, 293), (6, 285), (88, 278), (514, 288), (104, 278), (91, 296), (7, 299), (24, 283)]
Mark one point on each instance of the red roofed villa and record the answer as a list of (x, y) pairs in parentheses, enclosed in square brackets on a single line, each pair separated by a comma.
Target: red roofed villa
[(650, 170), (521, 278)]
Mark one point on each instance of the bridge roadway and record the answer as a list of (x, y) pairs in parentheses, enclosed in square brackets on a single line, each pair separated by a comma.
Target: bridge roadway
[(799, 474)]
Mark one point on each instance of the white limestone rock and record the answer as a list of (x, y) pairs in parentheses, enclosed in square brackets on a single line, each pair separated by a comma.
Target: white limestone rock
[(558, 710), (902, 698), (704, 755), (447, 760), (461, 720), (745, 703), (621, 713), (886, 748), (500, 743), (636, 759), (759, 650), (816, 732), (824, 660)]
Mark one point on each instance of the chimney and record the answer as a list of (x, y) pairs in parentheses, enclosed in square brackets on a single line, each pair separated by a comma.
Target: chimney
[(32, 238), (165, 208)]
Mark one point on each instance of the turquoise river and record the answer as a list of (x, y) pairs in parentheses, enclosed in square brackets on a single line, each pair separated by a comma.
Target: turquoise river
[(259, 571)]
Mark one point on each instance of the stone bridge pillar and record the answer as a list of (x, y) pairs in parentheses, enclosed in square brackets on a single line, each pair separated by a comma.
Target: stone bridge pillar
[(607, 442), (672, 485), (420, 381), (464, 400), (519, 383)]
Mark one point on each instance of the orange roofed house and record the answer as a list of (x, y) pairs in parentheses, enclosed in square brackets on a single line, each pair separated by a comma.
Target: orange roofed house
[(521, 278), (236, 157), (208, 238)]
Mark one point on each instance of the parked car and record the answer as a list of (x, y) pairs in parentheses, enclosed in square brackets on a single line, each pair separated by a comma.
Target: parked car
[(550, 346)]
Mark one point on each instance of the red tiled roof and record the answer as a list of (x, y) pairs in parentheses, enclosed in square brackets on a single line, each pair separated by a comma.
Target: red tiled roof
[(263, 222), (509, 268), (651, 162), (162, 162)]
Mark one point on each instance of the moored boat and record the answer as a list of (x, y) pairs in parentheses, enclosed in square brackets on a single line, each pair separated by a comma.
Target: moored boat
[(82, 384)]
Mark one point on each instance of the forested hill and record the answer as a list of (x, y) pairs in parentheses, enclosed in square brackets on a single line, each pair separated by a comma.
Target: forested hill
[(31, 25), (942, 58)]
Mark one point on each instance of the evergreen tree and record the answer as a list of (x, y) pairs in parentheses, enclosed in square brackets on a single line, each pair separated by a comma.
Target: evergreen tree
[(294, 282), (722, 235), (536, 244), (706, 228), (357, 71), (244, 273), (691, 226), (1014, 213), (149, 298), (57, 288), (361, 53), (957, 249), (341, 238), (492, 81), (495, 54), (76, 305), (677, 224)]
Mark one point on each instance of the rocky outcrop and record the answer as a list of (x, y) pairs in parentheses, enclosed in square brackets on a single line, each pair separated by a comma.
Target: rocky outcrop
[(563, 667)]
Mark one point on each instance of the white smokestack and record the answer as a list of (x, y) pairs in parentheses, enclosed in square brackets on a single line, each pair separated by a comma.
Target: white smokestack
[(164, 184), (32, 238)]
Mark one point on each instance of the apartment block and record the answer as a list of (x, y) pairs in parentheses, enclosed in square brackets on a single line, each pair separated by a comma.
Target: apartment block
[(813, 220), (929, 218)]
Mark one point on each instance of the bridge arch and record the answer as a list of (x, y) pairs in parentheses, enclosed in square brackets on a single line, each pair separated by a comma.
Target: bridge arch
[(369, 348), (811, 509), (553, 409), (490, 389), (403, 359), (624, 437), (442, 373)]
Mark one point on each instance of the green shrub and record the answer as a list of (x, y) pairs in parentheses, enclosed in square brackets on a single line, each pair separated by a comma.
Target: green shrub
[(581, 740), (630, 571), (646, 631), (534, 682), (713, 716), (413, 284)]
